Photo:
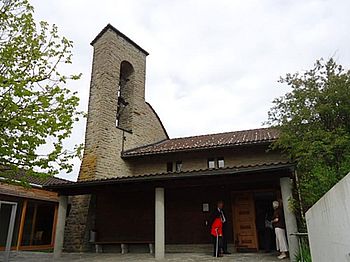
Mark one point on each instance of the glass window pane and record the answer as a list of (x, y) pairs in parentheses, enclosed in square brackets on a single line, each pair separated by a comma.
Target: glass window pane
[(211, 163), (5, 215), (221, 162), (44, 223), (38, 224), (178, 166), (28, 225), (169, 167)]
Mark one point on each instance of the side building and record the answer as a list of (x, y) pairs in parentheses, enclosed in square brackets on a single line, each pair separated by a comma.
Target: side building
[(35, 213)]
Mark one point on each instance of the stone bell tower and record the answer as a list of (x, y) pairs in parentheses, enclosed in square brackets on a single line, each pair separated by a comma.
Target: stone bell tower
[(118, 119), (118, 116)]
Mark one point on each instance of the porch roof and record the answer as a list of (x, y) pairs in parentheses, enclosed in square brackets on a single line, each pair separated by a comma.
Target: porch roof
[(170, 176)]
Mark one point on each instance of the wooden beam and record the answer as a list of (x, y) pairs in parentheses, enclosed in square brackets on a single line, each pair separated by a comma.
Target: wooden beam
[(54, 226), (21, 226), (31, 193), (38, 247)]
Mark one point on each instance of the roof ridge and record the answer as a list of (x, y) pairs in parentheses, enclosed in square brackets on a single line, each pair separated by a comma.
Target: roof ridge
[(221, 133)]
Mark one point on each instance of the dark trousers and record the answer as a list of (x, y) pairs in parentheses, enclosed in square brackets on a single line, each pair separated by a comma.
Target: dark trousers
[(224, 237), (268, 239), (219, 245)]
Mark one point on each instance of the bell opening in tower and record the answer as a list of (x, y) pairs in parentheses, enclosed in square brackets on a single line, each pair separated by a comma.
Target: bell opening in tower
[(124, 96)]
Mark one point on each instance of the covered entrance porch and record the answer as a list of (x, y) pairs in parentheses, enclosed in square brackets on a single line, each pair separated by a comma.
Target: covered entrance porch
[(173, 210)]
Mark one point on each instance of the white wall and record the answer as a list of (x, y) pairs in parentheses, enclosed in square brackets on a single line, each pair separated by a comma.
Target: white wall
[(328, 223)]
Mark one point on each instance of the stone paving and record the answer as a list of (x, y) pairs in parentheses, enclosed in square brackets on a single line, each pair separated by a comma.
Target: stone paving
[(109, 257)]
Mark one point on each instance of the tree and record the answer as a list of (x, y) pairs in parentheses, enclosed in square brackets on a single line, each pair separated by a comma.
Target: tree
[(314, 123), (36, 109)]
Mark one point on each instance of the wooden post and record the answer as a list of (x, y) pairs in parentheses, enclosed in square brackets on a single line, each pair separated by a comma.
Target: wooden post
[(54, 226), (33, 224), (21, 225)]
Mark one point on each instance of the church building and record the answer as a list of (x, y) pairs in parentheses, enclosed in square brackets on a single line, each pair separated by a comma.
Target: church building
[(138, 188)]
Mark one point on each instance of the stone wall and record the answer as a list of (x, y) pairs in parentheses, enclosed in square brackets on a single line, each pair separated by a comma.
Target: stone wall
[(80, 220)]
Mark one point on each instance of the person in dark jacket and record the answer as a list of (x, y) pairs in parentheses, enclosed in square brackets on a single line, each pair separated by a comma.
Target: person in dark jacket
[(219, 211), (216, 233)]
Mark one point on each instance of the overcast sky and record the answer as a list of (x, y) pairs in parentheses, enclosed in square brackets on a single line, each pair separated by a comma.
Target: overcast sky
[(213, 65)]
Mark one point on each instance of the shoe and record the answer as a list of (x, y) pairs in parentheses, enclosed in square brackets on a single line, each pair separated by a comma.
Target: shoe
[(282, 256)]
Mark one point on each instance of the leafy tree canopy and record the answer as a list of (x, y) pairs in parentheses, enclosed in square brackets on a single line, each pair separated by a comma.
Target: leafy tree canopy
[(36, 109), (314, 120)]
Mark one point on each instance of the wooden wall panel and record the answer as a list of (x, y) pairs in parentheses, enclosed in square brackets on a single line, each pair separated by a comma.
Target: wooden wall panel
[(185, 220), (125, 216)]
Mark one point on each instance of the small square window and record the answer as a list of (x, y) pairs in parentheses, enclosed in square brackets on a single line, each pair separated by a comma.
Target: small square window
[(178, 166), (221, 162), (169, 167), (211, 163)]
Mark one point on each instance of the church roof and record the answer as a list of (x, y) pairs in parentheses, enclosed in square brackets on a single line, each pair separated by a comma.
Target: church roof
[(192, 143)]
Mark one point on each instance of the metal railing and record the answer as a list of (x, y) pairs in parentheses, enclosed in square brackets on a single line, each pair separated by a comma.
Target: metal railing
[(302, 238)]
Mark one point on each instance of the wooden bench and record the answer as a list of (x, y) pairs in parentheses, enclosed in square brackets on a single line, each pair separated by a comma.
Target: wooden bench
[(123, 245)]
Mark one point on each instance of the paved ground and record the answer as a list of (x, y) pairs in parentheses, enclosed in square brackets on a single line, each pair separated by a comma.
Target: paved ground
[(91, 257)]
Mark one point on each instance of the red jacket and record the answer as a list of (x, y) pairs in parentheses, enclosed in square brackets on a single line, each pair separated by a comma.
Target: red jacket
[(216, 227)]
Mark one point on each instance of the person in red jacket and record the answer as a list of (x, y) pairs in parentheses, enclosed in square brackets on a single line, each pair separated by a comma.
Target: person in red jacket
[(216, 232)]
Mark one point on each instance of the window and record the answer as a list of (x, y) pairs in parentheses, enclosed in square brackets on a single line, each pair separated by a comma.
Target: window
[(169, 167), (211, 163), (178, 166), (216, 162), (221, 162)]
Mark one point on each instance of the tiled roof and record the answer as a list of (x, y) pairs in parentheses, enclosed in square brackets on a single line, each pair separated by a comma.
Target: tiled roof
[(174, 175), (46, 181), (228, 139), (36, 180)]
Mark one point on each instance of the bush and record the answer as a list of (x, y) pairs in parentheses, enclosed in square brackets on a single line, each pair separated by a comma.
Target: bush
[(304, 254)]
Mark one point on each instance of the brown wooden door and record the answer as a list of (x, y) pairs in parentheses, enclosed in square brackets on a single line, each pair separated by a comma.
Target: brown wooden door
[(243, 209)]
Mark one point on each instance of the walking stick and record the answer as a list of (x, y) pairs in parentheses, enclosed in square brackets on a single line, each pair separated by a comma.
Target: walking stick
[(217, 243)]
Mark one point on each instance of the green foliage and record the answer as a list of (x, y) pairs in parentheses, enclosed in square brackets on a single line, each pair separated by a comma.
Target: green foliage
[(314, 121), (36, 109), (304, 254), (293, 205)]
